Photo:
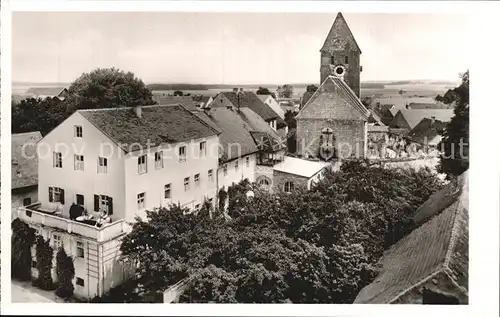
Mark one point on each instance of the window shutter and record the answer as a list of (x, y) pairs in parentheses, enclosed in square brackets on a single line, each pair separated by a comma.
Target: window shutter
[(51, 197), (96, 202), (62, 196), (110, 206)]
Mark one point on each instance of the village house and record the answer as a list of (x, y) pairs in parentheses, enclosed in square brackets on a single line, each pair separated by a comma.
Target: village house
[(101, 168), (333, 123), (240, 99), (271, 102), (24, 169), (294, 173), (409, 118), (428, 132), (47, 92), (243, 137), (431, 264)]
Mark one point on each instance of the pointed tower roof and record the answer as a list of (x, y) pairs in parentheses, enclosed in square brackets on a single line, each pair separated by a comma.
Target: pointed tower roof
[(340, 37)]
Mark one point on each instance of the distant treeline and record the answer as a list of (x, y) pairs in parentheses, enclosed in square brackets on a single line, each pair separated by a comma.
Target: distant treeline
[(372, 85)]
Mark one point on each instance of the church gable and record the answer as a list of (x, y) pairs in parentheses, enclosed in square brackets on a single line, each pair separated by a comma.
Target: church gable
[(334, 100)]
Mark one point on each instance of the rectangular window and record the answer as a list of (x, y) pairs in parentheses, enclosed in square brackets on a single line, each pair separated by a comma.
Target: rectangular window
[(346, 60), (27, 201), (79, 200), (57, 241), (332, 60), (78, 162), (168, 191), (79, 281), (56, 195), (103, 203), (210, 175), (142, 164), (203, 149), (141, 201), (247, 161), (78, 131), (58, 159), (197, 179), (236, 165), (182, 154), (102, 166), (33, 263), (186, 184), (79, 250), (158, 160), (225, 169)]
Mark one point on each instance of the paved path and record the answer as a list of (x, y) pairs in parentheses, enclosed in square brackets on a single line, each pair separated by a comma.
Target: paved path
[(24, 292)]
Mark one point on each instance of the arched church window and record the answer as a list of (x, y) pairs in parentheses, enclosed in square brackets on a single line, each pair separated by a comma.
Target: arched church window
[(289, 186), (346, 60), (332, 60)]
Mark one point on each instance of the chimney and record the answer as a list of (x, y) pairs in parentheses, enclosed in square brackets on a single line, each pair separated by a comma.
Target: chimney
[(138, 111), (433, 120)]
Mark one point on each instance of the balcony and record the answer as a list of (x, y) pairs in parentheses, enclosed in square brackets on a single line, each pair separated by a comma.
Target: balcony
[(33, 214)]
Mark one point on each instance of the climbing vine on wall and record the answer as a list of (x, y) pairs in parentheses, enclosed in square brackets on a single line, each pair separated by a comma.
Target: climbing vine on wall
[(22, 239), (44, 254)]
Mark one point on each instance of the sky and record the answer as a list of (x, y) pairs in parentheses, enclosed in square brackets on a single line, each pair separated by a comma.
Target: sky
[(231, 48)]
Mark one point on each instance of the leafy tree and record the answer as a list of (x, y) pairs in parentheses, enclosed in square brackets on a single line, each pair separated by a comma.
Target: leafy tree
[(65, 274), (178, 93), (311, 88), (107, 88), (22, 239), (286, 91), (455, 142), (265, 91), (101, 88), (290, 119), (44, 255), (37, 115), (316, 246)]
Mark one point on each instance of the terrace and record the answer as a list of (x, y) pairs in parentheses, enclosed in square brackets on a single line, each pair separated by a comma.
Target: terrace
[(36, 215)]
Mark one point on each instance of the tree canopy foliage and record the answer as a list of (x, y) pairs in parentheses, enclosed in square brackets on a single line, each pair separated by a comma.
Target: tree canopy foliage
[(455, 143), (317, 246), (311, 88), (265, 91), (285, 91), (101, 88)]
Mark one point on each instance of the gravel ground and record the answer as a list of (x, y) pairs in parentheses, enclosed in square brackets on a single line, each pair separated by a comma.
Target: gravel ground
[(24, 292)]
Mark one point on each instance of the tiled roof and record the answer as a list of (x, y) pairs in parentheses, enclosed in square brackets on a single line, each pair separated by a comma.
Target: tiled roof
[(45, 91), (157, 125), (414, 116), (250, 100), (438, 246), (329, 95), (186, 101), (234, 130), (24, 168), (300, 167), (340, 37), (426, 130), (237, 128)]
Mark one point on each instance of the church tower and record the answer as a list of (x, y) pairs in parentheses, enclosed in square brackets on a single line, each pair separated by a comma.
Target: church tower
[(340, 55)]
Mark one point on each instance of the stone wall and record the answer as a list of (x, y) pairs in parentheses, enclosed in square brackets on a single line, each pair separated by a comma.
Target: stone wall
[(349, 137), (393, 146), (280, 178)]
